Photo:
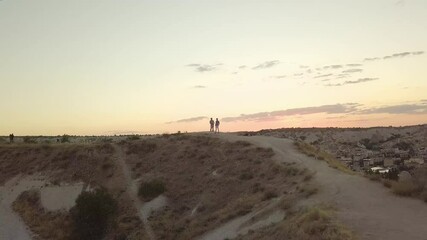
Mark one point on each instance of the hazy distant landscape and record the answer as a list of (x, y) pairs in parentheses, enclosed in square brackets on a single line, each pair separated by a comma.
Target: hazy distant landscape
[(246, 185), (213, 120)]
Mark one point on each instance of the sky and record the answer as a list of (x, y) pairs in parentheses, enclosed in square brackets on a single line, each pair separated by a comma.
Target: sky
[(120, 67)]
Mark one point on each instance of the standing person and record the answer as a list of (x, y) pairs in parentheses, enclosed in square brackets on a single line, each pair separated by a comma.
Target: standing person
[(212, 125), (217, 125), (11, 136)]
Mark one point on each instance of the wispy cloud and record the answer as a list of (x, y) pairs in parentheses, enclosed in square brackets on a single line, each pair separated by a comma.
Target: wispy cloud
[(199, 86), (354, 65), (303, 66), (279, 76), (275, 115), (332, 66), (322, 76), (267, 64), (360, 80), (188, 120), (203, 67), (353, 70), (397, 109), (242, 67), (372, 59), (396, 55)]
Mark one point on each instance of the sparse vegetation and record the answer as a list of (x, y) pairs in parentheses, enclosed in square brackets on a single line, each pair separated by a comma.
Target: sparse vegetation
[(315, 223), (312, 151), (65, 138), (93, 215), (151, 189), (406, 188), (133, 137), (28, 139), (47, 225)]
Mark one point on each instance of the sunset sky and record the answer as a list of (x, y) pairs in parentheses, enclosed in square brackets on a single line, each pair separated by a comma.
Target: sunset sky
[(117, 67)]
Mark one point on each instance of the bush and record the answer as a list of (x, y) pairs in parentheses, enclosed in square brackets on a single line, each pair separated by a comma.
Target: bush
[(406, 189), (151, 189), (65, 138), (133, 137), (93, 214), (28, 139)]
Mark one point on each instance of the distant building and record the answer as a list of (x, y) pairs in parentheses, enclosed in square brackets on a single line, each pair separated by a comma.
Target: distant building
[(388, 162), (414, 161)]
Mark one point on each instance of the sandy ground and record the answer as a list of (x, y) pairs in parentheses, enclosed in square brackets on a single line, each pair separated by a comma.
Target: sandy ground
[(365, 206), (11, 225), (52, 198)]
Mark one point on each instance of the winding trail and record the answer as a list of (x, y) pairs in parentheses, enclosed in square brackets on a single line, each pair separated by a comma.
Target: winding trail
[(132, 190), (367, 207)]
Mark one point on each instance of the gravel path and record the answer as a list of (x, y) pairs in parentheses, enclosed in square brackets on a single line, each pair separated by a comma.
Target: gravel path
[(367, 207)]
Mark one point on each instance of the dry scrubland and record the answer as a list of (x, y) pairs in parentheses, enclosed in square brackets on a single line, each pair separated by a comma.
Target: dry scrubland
[(415, 187), (206, 181)]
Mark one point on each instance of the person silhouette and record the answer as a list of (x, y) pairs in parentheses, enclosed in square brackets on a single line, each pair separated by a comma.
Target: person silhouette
[(212, 125), (11, 136), (217, 126)]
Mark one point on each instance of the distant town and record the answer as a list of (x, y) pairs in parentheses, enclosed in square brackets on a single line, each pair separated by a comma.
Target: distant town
[(379, 149)]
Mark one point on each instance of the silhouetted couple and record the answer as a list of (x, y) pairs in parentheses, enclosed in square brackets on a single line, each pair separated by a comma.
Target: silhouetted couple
[(216, 123)]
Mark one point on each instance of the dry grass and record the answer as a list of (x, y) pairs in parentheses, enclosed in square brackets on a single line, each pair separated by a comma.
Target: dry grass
[(407, 188), (48, 225), (224, 179), (312, 223), (312, 151)]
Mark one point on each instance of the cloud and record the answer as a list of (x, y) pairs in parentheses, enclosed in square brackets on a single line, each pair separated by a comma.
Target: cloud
[(398, 55), (188, 120), (333, 66), (360, 80), (397, 109), (333, 85), (321, 76), (303, 66), (354, 65), (395, 55), (203, 67), (353, 70), (267, 64), (372, 59), (298, 74), (342, 76), (242, 67), (199, 86), (279, 76), (276, 115)]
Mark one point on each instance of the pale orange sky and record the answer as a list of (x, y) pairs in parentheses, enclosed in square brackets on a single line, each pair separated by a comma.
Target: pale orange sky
[(112, 67)]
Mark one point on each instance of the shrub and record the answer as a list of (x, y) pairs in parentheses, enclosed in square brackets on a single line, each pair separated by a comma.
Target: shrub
[(269, 195), (133, 137), (65, 138), (28, 139), (407, 188), (93, 214), (315, 223), (151, 189), (387, 183), (246, 176)]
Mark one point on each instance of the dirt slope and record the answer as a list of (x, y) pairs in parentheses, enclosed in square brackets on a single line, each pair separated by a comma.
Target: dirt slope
[(366, 207)]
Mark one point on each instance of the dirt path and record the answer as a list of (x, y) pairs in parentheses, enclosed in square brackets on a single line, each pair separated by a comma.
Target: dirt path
[(11, 225), (365, 206), (132, 191)]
